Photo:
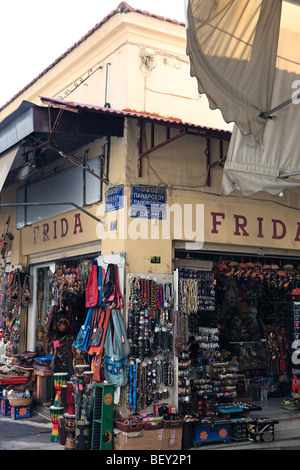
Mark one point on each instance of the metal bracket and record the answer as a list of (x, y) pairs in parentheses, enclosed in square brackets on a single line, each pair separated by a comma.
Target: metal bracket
[(154, 147)]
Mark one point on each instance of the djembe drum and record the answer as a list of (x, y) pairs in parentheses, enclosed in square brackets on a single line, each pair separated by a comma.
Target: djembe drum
[(62, 435), (63, 398), (83, 434), (70, 398), (55, 413), (88, 376), (69, 424), (59, 379)]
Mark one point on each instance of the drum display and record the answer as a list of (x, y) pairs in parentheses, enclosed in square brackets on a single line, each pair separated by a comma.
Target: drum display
[(62, 435), (59, 379), (83, 433), (88, 376), (63, 398), (55, 413), (69, 425)]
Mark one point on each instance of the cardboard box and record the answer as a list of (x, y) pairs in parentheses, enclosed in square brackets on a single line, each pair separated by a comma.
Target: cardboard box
[(172, 438), (141, 440)]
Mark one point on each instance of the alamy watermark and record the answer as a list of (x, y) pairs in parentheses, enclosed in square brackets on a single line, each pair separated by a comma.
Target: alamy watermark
[(296, 93), (296, 353), (152, 222)]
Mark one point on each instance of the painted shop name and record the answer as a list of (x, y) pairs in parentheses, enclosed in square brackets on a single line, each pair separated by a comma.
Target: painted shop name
[(242, 228), (57, 229)]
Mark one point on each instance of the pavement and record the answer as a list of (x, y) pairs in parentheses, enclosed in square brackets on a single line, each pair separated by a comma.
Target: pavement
[(34, 433)]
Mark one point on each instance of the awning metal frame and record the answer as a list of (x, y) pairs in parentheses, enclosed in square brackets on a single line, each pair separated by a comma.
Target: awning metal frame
[(20, 204), (49, 142)]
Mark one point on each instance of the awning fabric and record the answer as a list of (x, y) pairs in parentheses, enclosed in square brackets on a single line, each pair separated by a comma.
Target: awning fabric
[(245, 55), (232, 45), (6, 161)]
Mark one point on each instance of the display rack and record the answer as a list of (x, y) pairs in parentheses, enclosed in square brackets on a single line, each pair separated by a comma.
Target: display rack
[(102, 426)]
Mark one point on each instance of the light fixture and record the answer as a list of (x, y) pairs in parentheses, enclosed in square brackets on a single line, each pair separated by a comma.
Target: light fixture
[(25, 171), (281, 194)]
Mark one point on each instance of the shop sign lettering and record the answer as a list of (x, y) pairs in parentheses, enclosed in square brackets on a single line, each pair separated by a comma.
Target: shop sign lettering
[(241, 227), (57, 229)]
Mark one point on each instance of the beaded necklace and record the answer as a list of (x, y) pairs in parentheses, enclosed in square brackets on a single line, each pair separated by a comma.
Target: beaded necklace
[(132, 386)]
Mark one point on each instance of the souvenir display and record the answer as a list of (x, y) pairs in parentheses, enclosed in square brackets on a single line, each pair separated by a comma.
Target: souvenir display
[(72, 410), (15, 292), (69, 425), (55, 413), (150, 337), (59, 380), (180, 371)]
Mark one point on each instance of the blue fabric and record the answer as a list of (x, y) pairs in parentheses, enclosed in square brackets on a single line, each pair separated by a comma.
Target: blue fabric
[(100, 284), (116, 351), (84, 332)]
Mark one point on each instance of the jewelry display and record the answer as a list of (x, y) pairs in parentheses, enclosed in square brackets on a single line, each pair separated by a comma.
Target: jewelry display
[(150, 337)]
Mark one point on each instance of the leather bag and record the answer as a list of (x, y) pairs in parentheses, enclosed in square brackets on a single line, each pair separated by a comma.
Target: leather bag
[(91, 290)]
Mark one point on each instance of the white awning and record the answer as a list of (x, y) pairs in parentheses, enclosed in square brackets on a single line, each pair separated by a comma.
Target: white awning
[(232, 45), (6, 161), (245, 55)]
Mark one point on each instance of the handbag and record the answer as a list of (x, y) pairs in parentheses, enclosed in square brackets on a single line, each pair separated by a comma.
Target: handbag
[(109, 284), (83, 335), (111, 288), (91, 290), (97, 351), (100, 285), (97, 331), (118, 295), (116, 351)]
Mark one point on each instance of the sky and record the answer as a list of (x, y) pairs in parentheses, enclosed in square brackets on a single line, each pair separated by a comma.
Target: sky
[(34, 33)]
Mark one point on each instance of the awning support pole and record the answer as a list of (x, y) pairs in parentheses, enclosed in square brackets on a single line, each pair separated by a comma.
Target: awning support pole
[(267, 114)]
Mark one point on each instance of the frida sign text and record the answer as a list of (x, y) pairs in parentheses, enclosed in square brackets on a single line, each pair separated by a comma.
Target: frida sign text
[(241, 227), (57, 229)]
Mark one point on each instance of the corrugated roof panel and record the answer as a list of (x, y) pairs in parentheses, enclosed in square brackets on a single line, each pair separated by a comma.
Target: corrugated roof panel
[(155, 118)]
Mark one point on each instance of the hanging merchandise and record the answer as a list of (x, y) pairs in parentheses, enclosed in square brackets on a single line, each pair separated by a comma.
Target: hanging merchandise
[(116, 351), (97, 327), (14, 287), (92, 334), (100, 285), (108, 291), (83, 336), (26, 289), (111, 291), (91, 290), (62, 360), (196, 337), (150, 337)]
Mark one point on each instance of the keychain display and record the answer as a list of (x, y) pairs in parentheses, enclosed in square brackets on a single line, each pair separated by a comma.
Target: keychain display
[(196, 291), (196, 342), (150, 337)]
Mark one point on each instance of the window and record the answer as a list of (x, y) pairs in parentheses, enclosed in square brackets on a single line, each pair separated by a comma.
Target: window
[(71, 185)]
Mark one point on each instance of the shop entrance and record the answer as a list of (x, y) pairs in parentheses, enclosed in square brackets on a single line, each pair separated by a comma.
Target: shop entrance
[(57, 285), (234, 313)]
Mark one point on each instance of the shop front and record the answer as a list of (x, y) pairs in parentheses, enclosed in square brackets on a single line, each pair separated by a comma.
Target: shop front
[(167, 344)]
